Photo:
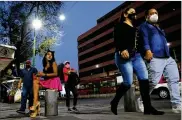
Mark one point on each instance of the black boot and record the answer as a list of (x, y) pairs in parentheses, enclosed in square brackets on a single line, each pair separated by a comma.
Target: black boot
[(119, 93), (144, 91)]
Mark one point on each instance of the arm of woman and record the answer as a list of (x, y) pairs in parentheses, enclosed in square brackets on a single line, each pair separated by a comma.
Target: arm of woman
[(55, 73), (120, 37), (120, 40)]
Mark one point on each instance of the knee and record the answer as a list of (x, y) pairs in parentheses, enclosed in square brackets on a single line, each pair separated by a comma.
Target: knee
[(24, 94), (36, 81), (127, 84)]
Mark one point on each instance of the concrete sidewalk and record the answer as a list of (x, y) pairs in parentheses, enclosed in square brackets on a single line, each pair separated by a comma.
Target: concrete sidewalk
[(87, 112)]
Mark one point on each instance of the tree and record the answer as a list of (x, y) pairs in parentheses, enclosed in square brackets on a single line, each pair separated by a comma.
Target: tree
[(15, 24)]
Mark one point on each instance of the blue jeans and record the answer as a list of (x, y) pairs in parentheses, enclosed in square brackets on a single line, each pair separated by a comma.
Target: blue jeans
[(127, 67), (26, 91), (167, 67)]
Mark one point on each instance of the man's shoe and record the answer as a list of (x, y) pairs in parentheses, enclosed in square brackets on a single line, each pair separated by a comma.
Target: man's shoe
[(75, 109), (69, 110), (21, 111), (140, 105), (176, 109)]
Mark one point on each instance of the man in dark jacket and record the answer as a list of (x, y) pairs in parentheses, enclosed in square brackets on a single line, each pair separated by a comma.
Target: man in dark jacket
[(27, 79), (71, 80)]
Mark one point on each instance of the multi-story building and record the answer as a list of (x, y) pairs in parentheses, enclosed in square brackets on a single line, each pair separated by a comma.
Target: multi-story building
[(96, 47)]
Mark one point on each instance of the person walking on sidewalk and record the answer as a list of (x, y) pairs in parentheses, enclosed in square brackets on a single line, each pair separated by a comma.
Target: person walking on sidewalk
[(158, 57), (27, 91), (128, 59), (70, 79)]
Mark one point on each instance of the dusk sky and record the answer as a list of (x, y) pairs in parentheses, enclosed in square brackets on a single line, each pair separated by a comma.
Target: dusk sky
[(80, 17)]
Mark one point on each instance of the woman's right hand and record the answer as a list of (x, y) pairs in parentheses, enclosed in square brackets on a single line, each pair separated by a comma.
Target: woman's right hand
[(40, 74), (125, 54)]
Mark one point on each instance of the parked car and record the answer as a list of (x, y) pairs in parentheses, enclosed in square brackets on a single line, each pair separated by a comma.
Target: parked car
[(162, 89)]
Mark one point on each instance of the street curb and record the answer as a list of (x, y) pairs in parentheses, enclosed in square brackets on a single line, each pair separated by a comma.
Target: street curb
[(101, 95)]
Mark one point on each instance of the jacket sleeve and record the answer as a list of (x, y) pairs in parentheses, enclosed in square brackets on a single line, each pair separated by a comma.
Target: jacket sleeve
[(35, 71), (144, 37), (120, 37)]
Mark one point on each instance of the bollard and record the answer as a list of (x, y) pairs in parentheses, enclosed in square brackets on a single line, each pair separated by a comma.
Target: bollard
[(129, 100), (51, 103)]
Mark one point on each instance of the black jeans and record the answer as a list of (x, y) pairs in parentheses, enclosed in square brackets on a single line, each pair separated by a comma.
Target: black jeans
[(73, 89)]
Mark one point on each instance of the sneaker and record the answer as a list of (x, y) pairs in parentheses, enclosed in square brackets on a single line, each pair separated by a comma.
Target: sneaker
[(176, 109), (140, 104), (75, 109), (69, 110), (21, 111), (29, 112)]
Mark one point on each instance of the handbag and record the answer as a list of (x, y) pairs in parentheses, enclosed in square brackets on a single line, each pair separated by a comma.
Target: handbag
[(17, 96)]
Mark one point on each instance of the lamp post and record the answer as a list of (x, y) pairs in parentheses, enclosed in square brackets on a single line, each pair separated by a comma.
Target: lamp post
[(36, 25)]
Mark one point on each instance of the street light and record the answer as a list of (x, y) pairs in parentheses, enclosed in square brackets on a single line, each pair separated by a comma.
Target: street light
[(174, 52), (36, 25), (97, 66), (62, 17), (168, 44)]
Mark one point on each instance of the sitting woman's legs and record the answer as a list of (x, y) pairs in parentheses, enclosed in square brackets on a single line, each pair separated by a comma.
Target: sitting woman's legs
[(36, 91)]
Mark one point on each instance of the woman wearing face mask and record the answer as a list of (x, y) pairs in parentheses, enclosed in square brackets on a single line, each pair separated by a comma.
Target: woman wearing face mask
[(128, 59), (50, 80)]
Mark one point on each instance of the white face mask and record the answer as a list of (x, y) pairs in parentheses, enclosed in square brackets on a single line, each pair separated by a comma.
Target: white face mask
[(153, 18)]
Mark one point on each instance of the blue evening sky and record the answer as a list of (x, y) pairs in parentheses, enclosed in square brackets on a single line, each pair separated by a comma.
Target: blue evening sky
[(80, 17)]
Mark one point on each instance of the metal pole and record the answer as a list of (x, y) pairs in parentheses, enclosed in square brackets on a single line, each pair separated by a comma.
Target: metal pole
[(34, 43), (174, 54)]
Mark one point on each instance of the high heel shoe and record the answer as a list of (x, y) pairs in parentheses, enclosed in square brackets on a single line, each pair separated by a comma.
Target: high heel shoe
[(33, 108), (34, 114), (36, 111)]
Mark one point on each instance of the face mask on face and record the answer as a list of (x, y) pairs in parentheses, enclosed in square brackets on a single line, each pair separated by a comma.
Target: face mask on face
[(153, 18), (132, 16), (67, 65)]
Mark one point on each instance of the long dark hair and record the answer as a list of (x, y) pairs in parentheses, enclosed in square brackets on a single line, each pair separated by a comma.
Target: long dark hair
[(122, 18), (44, 61)]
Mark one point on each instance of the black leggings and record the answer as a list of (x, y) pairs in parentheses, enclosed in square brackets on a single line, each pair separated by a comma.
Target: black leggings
[(73, 89)]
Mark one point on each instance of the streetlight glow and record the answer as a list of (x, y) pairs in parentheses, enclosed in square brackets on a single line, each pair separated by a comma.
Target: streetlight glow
[(97, 66), (168, 44), (37, 24), (62, 17)]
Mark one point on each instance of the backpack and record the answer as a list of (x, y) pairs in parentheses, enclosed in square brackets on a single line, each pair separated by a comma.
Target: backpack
[(60, 72), (73, 79)]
